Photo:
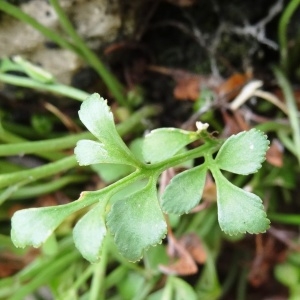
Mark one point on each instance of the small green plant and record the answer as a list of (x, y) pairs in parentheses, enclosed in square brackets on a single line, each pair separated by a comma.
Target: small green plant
[(136, 219), (36, 78)]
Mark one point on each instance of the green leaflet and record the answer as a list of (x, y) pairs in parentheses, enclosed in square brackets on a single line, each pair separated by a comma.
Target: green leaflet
[(95, 114), (90, 152), (163, 143), (184, 191), (33, 71), (238, 211), (89, 232), (137, 222), (111, 172), (243, 153), (34, 225)]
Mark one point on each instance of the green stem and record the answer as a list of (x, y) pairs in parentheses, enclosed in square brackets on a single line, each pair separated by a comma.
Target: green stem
[(114, 86), (287, 142), (98, 282), (80, 47), (115, 187), (11, 285), (146, 288), (83, 278), (272, 126), (202, 223), (291, 219), (41, 189), (292, 109), (69, 141), (45, 275), (115, 276), (154, 170), (8, 137), (231, 277), (208, 148), (168, 290), (283, 23), (19, 178), (241, 290), (55, 88), (50, 34), (50, 145), (9, 191), (209, 282), (88, 198), (66, 245), (136, 119), (39, 172)]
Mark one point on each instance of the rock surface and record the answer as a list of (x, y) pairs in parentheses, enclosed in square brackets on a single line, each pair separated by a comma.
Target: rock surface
[(98, 22)]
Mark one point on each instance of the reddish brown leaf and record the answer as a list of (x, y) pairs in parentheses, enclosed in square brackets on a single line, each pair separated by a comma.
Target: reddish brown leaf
[(268, 253), (274, 155), (210, 191), (185, 265), (231, 124), (188, 249), (193, 245), (11, 263), (9, 267), (187, 88), (232, 86), (188, 85)]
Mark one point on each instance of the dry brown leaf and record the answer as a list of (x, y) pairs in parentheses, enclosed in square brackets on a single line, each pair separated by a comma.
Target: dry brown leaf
[(193, 245), (259, 271), (231, 124), (46, 200), (274, 155), (9, 266), (184, 266), (11, 263), (64, 118), (188, 85), (187, 88), (232, 86), (188, 249), (267, 255), (210, 190)]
